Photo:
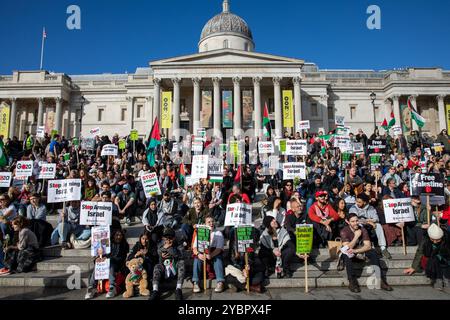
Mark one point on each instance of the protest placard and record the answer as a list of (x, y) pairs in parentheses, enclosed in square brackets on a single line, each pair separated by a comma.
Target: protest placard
[(346, 158), (274, 162), (150, 184), (238, 214), (122, 144), (197, 146), (396, 131), (358, 147), (201, 134), (5, 179), (343, 143), (427, 184), (438, 147), (100, 241), (94, 132), (296, 148), (377, 146), (265, 147), (304, 238), (343, 131), (47, 171), (18, 182), (339, 120), (96, 213), (24, 169), (303, 125), (398, 210), (223, 148), (88, 143), (203, 238), (64, 190), (110, 150), (215, 169), (293, 170), (40, 132), (282, 145), (134, 135), (102, 269), (375, 161), (245, 235), (191, 181), (200, 166)]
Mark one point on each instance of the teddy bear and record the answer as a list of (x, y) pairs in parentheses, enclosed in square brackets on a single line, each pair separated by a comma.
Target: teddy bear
[(136, 277)]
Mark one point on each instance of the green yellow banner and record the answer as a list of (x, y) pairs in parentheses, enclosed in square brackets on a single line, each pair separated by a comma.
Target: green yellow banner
[(304, 238), (166, 110), (448, 116), (4, 121), (288, 109)]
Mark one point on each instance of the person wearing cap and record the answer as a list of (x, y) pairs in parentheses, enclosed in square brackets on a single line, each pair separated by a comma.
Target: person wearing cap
[(323, 217), (433, 256), (36, 209), (170, 265), (125, 201)]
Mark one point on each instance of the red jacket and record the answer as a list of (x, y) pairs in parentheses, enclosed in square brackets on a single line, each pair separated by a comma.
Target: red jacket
[(446, 214), (245, 198), (316, 214)]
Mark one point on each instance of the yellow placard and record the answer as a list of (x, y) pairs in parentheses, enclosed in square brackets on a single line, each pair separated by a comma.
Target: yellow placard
[(448, 116), (166, 110), (4, 121), (288, 109)]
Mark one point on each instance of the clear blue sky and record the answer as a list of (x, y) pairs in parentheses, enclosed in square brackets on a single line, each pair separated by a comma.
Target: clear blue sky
[(118, 36)]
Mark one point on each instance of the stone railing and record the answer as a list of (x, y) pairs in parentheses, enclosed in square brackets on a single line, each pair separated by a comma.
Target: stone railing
[(51, 77), (6, 78)]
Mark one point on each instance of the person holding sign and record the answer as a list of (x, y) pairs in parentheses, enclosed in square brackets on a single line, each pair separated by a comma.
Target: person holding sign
[(213, 255), (356, 243), (323, 218), (433, 256)]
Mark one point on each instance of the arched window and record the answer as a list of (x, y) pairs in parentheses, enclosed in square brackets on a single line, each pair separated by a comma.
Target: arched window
[(225, 44)]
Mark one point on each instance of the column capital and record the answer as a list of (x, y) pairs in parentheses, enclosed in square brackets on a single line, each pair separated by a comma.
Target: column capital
[(324, 97), (148, 99), (157, 81), (40, 99), (58, 100), (237, 80), (257, 80), (216, 80), (197, 81), (413, 97), (13, 99), (297, 80), (129, 98), (440, 97), (394, 97), (276, 80), (176, 81), (388, 101)]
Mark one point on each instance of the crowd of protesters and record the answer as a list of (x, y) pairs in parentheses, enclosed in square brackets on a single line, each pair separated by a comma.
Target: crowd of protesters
[(341, 200)]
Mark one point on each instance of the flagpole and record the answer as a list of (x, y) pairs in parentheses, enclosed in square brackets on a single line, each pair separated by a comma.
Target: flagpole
[(42, 48)]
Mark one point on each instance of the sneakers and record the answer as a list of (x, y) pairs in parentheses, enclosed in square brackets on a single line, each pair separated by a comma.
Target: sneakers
[(196, 288), (256, 288), (386, 254), (4, 272), (354, 286), (178, 294), (111, 294), (90, 294), (340, 264), (127, 222), (219, 287), (438, 284), (385, 286), (154, 296), (232, 288), (287, 274)]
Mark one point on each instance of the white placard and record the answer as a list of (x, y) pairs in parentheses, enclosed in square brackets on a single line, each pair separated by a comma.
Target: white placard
[(303, 125), (200, 166), (215, 167), (96, 213), (274, 162), (175, 147), (40, 132), (265, 147), (358, 147), (296, 148), (24, 169), (343, 131), (5, 179), (343, 143), (94, 132), (339, 120), (197, 146), (64, 190), (102, 269), (100, 238), (396, 130), (47, 171), (110, 150), (150, 184), (398, 210), (238, 214), (293, 170), (191, 181)]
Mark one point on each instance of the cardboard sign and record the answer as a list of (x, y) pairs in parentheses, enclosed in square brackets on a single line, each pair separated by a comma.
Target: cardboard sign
[(122, 144), (200, 166), (203, 238), (427, 184), (438, 148), (75, 142), (96, 213), (304, 238), (398, 210), (375, 161), (293, 170), (94, 132), (377, 146), (282, 145), (102, 269), (18, 182), (110, 150), (100, 238), (358, 147), (296, 147), (24, 169), (238, 214), (47, 171), (303, 125), (245, 236), (197, 146), (5, 179), (265, 147), (396, 130), (215, 170), (134, 135), (339, 120), (343, 143), (64, 190), (175, 147), (346, 158), (88, 143), (150, 184), (40, 132)]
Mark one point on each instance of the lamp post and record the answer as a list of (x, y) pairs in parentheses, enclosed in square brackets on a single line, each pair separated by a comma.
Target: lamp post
[(83, 101), (373, 97)]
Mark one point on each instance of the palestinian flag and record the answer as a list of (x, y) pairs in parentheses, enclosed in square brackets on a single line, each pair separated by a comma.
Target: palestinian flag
[(154, 140), (415, 115), (267, 129), (182, 175), (392, 120), (384, 125), (237, 178), (3, 160)]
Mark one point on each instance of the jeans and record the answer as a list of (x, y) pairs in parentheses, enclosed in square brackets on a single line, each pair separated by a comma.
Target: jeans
[(187, 231), (112, 279), (2, 257), (269, 260), (374, 261), (218, 268), (414, 234), (79, 231)]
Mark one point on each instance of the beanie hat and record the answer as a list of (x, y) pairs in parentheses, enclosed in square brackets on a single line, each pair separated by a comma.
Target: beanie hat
[(434, 232), (267, 220)]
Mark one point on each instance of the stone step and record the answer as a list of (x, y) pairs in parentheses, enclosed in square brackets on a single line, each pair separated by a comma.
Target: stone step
[(45, 279), (63, 263)]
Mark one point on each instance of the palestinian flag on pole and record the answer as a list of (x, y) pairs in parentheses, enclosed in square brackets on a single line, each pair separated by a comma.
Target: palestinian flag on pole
[(415, 115), (154, 140), (3, 160), (182, 175), (384, 125), (392, 120), (267, 129)]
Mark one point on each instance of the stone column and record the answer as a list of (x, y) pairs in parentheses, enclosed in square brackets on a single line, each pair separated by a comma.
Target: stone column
[(40, 118), (149, 110), (441, 108), (396, 104), (13, 116), (324, 104), (277, 105), (58, 115), (258, 112), (217, 109), (237, 112), (157, 103), (131, 113), (297, 101), (196, 110), (413, 99), (176, 108), (67, 128)]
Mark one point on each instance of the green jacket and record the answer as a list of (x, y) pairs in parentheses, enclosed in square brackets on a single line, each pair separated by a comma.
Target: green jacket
[(191, 218), (427, 249)]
